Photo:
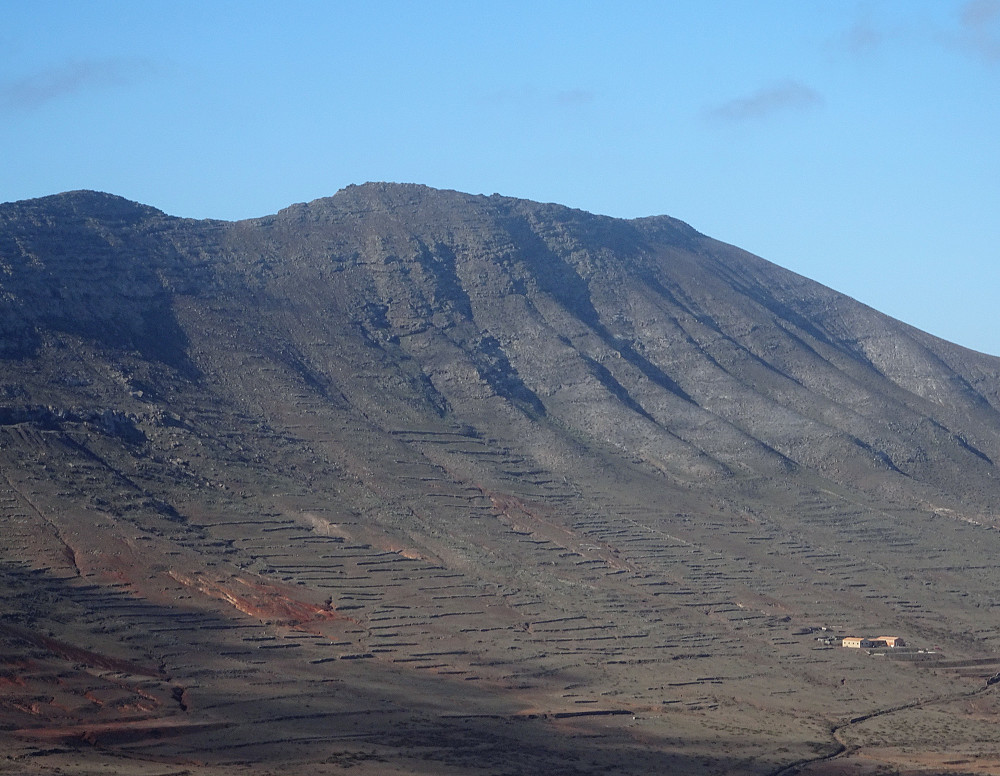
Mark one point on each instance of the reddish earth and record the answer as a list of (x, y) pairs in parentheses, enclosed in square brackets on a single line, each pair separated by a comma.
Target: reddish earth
[(110, 734), (263, 601), (76, 654)]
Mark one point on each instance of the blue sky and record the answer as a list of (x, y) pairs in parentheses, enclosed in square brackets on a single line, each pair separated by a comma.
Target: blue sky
[(853, 142)]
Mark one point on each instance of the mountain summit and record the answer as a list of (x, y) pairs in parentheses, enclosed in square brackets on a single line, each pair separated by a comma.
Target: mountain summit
[(504, 472)]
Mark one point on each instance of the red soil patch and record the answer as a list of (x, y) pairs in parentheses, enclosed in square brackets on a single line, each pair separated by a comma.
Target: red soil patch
[(265, 602), (76, 654), (114, 733)]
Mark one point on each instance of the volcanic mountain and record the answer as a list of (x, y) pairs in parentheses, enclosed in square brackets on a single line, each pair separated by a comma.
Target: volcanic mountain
[(415, 481)]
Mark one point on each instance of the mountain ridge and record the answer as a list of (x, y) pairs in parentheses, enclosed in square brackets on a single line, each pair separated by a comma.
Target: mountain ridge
[(541, 260), (541, 253), (455, 439)]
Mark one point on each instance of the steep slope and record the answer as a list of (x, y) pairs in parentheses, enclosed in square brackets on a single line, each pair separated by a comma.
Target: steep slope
[(694, 356), (614, 475)]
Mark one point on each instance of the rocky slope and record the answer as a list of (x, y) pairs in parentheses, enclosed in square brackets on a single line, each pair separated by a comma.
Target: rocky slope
[(510, 476)]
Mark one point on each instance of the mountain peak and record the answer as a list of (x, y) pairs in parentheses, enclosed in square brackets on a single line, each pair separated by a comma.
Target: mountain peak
[(85, 203)]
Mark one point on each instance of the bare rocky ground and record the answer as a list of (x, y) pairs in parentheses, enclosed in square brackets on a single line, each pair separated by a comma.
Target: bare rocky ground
[(413, 482)]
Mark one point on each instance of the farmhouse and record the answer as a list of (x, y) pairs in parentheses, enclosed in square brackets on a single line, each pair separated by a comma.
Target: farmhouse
[(863, 642)]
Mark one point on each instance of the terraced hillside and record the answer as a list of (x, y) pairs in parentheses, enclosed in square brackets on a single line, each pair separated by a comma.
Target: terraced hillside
[(412, 481)]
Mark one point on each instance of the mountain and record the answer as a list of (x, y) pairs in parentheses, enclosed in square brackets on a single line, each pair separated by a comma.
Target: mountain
[(415, 481)]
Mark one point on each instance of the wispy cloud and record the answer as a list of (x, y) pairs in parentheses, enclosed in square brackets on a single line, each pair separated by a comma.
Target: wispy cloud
[(974, 30), (980, 29), (870, 32), (784, 96), (976, 13), (54, 83), (862, 37)]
